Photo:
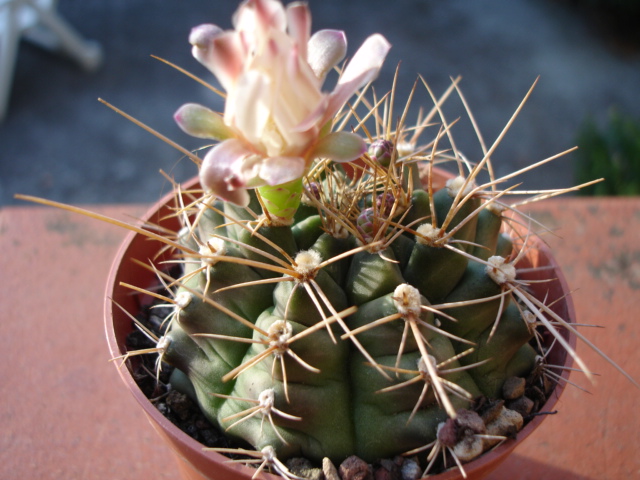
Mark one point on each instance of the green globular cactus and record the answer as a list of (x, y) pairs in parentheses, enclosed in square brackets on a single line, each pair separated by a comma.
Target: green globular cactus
[(328, 309), (363, 341)]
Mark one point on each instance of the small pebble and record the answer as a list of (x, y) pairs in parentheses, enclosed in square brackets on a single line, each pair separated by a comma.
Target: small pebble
[(537, 395), (302, 467), (388, 470), (513, 388), (469, 420), (468, 448), (490, 410), (354, 468), (508, 424), (382, 473), (448, 432), (388, 464), (523, 405), (329, 469), (411, 470)]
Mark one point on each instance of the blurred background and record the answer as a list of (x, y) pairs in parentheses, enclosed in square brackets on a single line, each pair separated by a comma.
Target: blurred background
[(57, 141)]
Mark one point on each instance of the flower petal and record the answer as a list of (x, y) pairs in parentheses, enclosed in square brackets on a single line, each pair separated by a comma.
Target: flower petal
[(362, 69), (366, 63), (339, 147), (299, 25), (258, 16), (201, 122), (248, 106), (297, 96), (217, 173), (220, 51), (326, 49), (277, 170), (314, 118)]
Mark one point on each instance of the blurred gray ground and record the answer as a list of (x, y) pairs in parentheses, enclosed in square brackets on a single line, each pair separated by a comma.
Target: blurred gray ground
[(60, 143)]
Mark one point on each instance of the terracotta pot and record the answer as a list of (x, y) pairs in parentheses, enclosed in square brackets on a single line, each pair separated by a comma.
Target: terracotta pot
[(196, 464)]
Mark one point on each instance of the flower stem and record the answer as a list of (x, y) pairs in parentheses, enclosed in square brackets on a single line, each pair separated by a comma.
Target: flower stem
[(281, 201)]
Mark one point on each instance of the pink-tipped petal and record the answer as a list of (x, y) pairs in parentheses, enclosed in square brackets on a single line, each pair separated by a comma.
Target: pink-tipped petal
[(201, 122), (201, 38), (227, 58), (217, 174), (220, 51), (362, 69), (202, 35), (259, 16), (299, 25), (271, 14), (326, 49), (339, 147)]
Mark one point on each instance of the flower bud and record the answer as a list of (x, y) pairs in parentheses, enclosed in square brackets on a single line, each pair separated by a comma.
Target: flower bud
[(381, 151)]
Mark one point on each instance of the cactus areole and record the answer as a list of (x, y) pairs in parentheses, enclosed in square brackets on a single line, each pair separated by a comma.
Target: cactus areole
[(325, 309)]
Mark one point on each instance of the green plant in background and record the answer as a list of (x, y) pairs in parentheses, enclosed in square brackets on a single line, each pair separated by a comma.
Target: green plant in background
[(612, 153)]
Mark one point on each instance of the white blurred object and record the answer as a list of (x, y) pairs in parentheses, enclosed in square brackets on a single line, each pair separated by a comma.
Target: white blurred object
[(39, 22)]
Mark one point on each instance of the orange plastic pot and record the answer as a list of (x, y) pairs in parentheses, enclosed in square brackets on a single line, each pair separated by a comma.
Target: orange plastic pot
[(197, 464)]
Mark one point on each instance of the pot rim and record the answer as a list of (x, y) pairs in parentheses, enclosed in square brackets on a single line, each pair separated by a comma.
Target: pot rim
[(180, 439)]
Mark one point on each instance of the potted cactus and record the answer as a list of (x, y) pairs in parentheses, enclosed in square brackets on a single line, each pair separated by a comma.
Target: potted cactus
[(324, 310), (331, 294)]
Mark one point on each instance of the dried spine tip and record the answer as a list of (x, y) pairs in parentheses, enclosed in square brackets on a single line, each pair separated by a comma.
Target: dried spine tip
[(407, 300), (500, 271), (454, 185), (428, 234)]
